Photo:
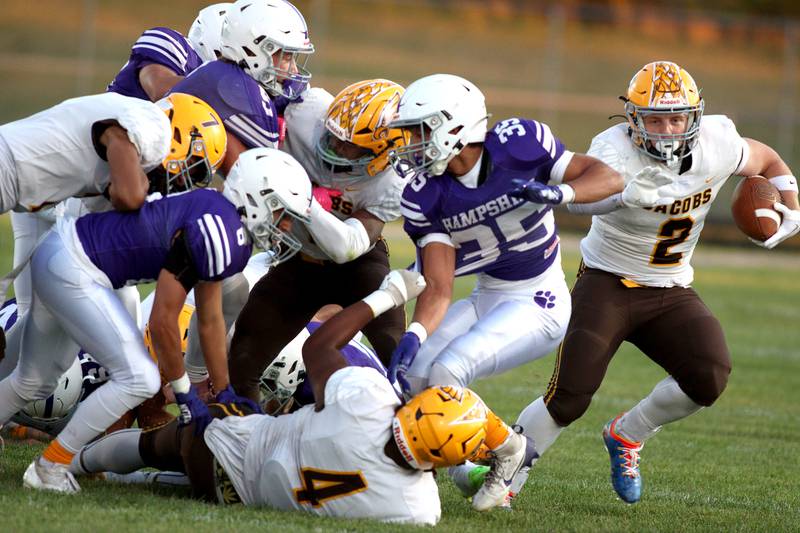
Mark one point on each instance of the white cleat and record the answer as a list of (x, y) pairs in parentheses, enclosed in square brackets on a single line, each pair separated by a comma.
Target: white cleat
[(515, 453), (46, 475)]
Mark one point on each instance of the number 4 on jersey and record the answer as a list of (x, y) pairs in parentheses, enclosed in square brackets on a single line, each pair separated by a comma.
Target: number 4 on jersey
[(320, 486)]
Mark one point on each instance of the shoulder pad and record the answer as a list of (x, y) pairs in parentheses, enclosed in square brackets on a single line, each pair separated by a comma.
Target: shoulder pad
[(522, 144)]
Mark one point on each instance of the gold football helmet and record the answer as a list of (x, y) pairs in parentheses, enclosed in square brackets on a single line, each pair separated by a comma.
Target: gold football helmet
[(663, 87), (183, 327), (441, 426), (357, 140), (198, 143)]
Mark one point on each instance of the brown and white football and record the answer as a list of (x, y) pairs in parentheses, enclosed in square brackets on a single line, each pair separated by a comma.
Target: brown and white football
[(752, 208)]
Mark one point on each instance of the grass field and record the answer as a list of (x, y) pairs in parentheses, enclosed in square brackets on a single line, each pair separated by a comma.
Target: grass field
[(732, 467)]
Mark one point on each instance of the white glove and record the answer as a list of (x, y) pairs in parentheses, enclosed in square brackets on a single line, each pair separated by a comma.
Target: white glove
[(403, 285), (790, 225), (648, 188)]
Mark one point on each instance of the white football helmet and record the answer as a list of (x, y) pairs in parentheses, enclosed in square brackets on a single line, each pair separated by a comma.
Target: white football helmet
[(63, 400), (282, 377), (255, 30), (449, 112), (268, 186), (206, 30)]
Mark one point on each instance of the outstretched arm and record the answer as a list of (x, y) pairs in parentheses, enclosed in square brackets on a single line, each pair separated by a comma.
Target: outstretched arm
[(321, 353)]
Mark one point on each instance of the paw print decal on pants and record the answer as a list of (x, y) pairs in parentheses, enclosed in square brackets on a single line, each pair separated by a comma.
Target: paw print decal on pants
[(545, 299)]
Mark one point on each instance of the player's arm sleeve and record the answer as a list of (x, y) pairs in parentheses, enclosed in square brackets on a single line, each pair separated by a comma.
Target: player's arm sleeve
[(421, 227), (179, 262), (148, 129), (216, 245), (341, 240), (166, 47)]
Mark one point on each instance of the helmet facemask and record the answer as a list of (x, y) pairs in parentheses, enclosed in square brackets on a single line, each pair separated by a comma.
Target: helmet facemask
[(279, 81), (267, 233), (667, 147), (437, 146), (342, 171), (194, 170), (278, 384)]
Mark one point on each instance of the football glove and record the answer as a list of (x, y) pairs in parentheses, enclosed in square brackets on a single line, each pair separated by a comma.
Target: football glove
[(402, 357), (539, 193), (648, 188), (790, 225), (194, 410), (324, 196), (228, 395)]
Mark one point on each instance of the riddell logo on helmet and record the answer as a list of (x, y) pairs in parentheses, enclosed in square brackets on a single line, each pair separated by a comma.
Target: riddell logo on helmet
[(401, 444), (670, 101)]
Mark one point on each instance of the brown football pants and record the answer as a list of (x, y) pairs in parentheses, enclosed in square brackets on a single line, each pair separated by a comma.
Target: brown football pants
[(671, 326), (284, 300)]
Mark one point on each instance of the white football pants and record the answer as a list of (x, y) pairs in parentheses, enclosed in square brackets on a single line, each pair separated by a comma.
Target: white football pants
[(70, 308), (498, 327), (28, 228)]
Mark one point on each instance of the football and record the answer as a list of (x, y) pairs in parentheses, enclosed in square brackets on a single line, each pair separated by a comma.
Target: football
[(752, 208)]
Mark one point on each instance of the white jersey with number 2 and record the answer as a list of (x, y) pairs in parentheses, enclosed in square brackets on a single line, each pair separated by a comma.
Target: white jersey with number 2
[(654, 246)]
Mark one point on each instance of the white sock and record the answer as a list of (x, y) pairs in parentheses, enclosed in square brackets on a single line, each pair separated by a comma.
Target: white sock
[(117, 452), (666, 403), (537, 423)]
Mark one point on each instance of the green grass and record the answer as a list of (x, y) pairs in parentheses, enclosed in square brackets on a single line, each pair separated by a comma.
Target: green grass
[(731, 467)]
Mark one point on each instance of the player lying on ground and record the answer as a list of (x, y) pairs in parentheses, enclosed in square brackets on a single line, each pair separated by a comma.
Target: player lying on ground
[(183, 241), (635, 281), (358, 452)]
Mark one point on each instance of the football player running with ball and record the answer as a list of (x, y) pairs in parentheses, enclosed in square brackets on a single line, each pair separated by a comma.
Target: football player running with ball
[(634, 284), (357, 453), (185, 241)]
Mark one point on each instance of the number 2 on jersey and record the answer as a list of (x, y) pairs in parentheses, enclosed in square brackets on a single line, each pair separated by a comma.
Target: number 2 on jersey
[(320, 486), (672, 232)]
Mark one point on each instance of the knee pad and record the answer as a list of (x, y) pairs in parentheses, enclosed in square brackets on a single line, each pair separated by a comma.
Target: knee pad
[(706, 382)]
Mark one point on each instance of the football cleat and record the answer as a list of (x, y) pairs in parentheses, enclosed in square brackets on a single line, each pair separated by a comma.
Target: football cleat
[(468, 477), (624, 454), (509, 458), (47, 475)]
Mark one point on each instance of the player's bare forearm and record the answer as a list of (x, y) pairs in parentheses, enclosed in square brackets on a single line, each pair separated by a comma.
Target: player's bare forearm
[(211, 329), (432, 304), (157, 80), (438, 262), (591, 179), (321, 353), (163, 324), (167, 344), (128, 182)]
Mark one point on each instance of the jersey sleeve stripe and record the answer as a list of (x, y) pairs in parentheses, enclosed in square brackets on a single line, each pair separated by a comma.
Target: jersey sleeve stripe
[(221, 228), (179, 64), (410, 205), (549, 142), (248, 135), (207, 242), (217, 245), (410, 214), (168, 40)]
